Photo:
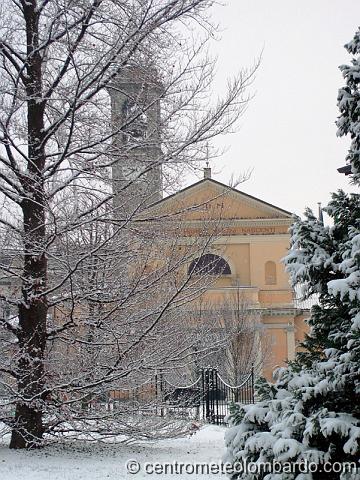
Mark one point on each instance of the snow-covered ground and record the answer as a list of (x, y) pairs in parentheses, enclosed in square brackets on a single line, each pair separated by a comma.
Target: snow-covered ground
[(106, 461)]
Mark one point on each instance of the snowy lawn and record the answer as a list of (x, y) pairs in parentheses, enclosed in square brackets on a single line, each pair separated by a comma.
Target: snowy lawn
[(104, 461)]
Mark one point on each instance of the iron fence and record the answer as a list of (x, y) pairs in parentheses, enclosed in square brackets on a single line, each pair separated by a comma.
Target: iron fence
[(207, 399)]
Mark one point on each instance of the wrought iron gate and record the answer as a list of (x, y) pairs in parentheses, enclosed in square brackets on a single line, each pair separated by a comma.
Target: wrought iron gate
[(208, 398)]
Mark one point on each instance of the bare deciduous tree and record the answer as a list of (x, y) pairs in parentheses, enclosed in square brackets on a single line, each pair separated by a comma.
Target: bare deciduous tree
[(93, 298), (234, 326)]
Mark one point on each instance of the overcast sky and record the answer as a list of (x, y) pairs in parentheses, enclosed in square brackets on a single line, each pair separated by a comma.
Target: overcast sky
[(287, 135)]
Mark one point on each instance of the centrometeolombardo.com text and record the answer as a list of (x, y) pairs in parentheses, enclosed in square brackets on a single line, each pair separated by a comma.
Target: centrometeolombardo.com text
[(202, 468)]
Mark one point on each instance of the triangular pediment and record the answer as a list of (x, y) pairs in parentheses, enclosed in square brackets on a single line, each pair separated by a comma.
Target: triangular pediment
[(209, 199)]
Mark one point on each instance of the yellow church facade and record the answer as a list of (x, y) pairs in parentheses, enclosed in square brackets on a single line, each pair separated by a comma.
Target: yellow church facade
[(250, 237)]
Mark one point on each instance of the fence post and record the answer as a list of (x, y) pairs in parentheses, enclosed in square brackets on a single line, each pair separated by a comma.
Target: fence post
[(156, 391), (216, 398), (202, 395), (156, 384), (212, 396), (207, 393), (252, 384), (161, 375), (159, 391)]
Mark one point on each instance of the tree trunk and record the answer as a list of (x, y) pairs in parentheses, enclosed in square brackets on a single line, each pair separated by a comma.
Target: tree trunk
[(28, 428), (28, 424)]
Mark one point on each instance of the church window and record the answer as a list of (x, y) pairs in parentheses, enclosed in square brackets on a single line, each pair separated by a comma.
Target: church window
[(270, 273), (209, 264), (138, 118)]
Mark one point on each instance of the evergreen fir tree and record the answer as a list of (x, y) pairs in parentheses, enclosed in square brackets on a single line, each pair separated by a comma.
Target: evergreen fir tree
[(312, 411), (349, 106)]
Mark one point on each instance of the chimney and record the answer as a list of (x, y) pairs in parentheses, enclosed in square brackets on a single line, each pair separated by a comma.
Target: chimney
[(207, 171)]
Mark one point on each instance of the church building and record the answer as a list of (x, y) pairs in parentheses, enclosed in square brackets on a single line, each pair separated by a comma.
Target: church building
[(251, 239), (251, 234)]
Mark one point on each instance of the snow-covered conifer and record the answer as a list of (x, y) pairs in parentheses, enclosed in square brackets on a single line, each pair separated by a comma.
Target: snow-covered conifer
[(312, 411), (349, 105)]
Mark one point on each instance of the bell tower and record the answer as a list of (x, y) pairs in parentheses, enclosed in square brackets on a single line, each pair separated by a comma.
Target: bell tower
[(136, 144)]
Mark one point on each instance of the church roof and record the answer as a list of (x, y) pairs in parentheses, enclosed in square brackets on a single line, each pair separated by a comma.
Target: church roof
[(240, 196)]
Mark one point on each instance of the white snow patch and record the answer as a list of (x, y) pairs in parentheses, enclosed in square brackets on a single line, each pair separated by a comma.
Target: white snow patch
[(84, 461)]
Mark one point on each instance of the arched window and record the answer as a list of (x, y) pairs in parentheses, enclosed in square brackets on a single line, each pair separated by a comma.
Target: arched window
[(270, 273), (209, 264), (137, 117)]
